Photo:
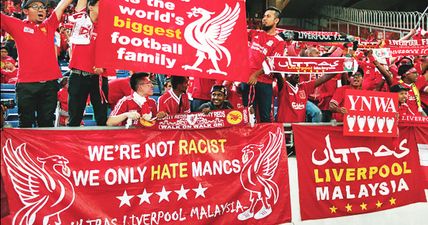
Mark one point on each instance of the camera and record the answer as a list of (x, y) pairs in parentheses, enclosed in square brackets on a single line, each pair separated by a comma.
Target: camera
[(8, 103)]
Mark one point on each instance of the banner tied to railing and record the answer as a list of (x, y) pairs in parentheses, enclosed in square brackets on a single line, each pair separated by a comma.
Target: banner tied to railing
[(310, 65), (236, 175), (406, 43), (341, 175), (189, 38), (400, 51), (196, 121), (370, 113)]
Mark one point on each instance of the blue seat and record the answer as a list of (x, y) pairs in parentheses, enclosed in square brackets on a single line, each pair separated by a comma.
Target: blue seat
[(13, 123), (89, 123), (89, 110), (122, 73), (7, 87)]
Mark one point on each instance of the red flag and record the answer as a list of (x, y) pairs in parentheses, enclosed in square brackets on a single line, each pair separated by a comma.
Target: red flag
[(213, 176), (340, 175), (198, 38)]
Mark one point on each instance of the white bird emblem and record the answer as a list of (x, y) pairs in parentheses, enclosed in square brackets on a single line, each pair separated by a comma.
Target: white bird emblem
[(256, 176), (42, 187), (207, 35)]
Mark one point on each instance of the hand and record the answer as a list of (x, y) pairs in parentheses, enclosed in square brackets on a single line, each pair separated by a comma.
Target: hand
[(342, 110), (206, 110), (161, 114), (98, 70), (132, 115), (253, 79)]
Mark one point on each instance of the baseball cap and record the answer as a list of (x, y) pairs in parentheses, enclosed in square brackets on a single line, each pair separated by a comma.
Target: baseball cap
[(398, 88), (403, 69), (219, 88), (26, 3)]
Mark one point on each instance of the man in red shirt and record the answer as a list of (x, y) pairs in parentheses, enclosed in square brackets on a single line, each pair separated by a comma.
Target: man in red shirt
[(262, 43), (409, 79), (85, 78), (175, 100), (131, 108), (338, 100), (38, 73), (293, 97)]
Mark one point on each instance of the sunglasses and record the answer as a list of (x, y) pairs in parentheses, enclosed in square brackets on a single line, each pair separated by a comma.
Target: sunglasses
[(37, 8)]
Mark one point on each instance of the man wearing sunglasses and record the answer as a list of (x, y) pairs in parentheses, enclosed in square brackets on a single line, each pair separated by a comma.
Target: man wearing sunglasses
[(38, 73)]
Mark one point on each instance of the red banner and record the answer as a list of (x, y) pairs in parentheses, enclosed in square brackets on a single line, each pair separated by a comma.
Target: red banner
[(235, 175), (416, 132), (310, 65), (370, 113), (405, 51), (196, 121), (190, 38), (406, 43), (340, 176)]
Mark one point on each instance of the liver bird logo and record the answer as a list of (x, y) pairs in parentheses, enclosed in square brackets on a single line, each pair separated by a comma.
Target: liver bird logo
[(207, 35), (42, 185), (260, 164)]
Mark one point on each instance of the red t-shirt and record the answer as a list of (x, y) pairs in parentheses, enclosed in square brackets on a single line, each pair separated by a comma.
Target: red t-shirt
[(326, 92), (128, 103), (292, 102), (202, 88), (63, 103), (117, 89), (8, 77), (339, 99), (411, 101), (404, 110), (261, 45), (169, 102), (83, 56), (36, 50)]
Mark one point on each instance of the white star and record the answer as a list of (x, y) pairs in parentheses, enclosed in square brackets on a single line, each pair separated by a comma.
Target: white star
[(163, 195), (182, 193), (200, 191), (144, 197), (124, 199)]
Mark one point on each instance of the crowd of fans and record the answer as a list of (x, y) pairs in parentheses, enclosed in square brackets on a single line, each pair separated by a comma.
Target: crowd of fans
[(36, 35)]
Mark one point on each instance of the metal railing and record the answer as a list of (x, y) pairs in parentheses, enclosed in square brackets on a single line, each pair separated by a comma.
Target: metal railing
[(385, 20)]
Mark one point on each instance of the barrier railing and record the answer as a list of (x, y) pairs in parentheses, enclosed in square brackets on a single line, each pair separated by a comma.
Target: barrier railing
[(386, 20)]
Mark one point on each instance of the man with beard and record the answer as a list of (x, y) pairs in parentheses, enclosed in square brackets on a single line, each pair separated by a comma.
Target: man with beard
[(262, 43), (37, 85), (338, 100), (218, 100)]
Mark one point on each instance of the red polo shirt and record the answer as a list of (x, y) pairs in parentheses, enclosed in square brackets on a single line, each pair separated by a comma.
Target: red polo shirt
[(170, 103), (36, 50), (292, 102)]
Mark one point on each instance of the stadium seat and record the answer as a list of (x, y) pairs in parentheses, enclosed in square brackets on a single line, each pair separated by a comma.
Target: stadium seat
[(7, 87)]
